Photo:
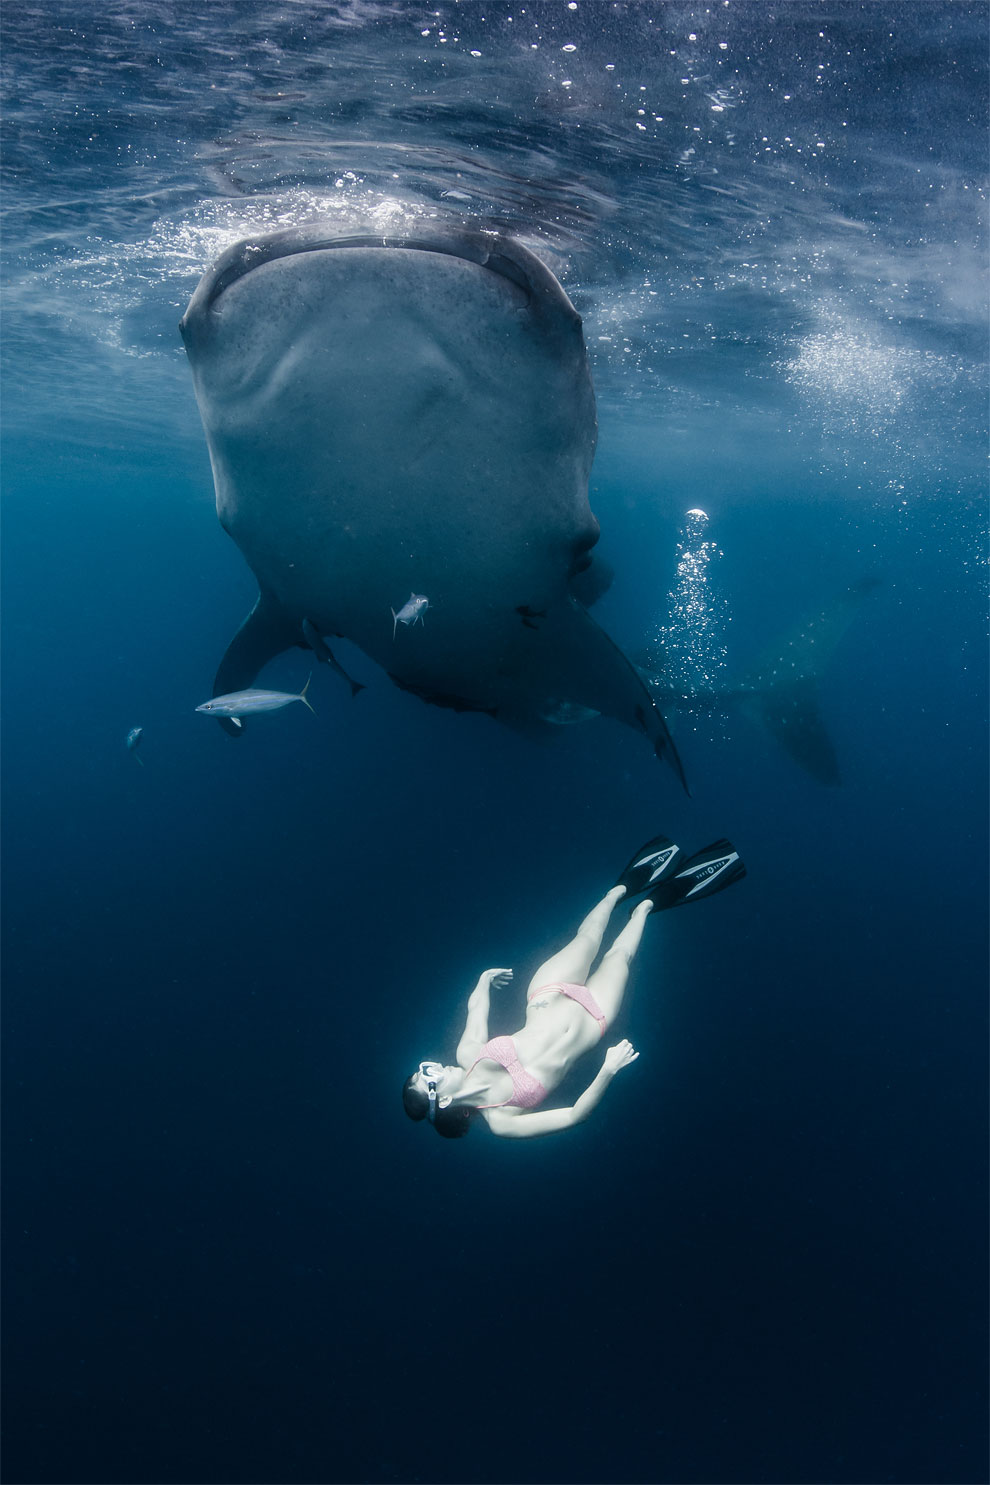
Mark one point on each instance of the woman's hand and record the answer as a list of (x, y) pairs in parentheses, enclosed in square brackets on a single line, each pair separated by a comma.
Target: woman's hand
[(499, 978), (619, 1056), (551, 1121)]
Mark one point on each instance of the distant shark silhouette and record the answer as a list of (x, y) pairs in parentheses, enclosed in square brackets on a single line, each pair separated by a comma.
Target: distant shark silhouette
[(394, 415), (781, 693)]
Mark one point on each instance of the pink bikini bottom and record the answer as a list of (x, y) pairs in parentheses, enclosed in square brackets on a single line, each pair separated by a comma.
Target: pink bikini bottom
[(581, 994)]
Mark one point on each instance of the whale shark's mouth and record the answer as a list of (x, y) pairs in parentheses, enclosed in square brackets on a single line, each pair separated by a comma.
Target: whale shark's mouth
[(542, 296), (472, 247)]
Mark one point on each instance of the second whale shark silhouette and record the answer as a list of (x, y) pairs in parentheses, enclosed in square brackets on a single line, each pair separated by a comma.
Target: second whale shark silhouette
[(388, 415), (781, 692)]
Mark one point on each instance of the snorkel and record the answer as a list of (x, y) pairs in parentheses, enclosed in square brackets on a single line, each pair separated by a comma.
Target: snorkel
[(431, 1090), (430, 1094)]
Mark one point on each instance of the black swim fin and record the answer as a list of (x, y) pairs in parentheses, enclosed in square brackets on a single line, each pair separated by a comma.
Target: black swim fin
[(651, 863), (709, 871)]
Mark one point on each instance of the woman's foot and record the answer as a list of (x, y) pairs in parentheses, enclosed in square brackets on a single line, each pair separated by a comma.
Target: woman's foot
[(651, 864)]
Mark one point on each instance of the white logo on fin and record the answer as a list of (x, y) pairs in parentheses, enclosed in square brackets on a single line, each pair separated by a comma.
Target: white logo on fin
[(712, 869), (662, 858)]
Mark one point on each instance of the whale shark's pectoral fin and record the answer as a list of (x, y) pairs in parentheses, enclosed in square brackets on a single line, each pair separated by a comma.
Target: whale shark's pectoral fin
[(589, 670), (265, 633)]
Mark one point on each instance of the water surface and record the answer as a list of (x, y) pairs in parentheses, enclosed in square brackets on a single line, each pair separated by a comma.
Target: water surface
[(229, 1257)]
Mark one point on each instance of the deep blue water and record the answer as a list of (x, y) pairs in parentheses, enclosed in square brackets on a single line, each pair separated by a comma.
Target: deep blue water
[(228, 1257)]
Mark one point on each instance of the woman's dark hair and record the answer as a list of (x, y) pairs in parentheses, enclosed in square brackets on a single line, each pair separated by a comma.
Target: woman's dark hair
[(451, 1122)]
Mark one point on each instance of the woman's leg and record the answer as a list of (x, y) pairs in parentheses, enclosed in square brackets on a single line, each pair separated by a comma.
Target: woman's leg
[(573, 962), (608, 983)]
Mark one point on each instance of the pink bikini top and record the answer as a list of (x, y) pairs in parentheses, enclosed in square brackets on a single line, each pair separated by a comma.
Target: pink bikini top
[(528, 1091)]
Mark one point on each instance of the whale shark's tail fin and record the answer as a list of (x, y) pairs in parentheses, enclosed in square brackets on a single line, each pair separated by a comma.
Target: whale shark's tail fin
[(782, 691), (791, 713)]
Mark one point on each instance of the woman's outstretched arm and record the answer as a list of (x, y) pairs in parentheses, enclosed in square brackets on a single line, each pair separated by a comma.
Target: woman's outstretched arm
[(552, 1121), (476, 1026)]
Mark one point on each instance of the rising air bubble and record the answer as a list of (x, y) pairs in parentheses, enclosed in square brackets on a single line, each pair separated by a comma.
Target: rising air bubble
[(688, 647)]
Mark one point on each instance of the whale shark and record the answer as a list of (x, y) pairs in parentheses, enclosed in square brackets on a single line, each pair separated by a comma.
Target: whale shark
[(781, 692), (412, 414)]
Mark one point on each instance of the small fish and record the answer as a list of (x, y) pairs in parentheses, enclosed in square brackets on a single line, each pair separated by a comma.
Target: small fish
[(411, 612), (239, 704), (133, 741), (325, 655)]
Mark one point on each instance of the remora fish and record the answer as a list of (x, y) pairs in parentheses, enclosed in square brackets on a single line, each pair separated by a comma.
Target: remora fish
[(133, 742), (376, 406), (411, 612), (237, 704), (325, 655)]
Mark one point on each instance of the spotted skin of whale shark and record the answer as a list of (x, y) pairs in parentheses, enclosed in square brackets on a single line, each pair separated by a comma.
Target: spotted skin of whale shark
[(412, 415)]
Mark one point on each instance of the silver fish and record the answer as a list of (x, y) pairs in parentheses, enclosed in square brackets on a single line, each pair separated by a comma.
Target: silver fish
[(133, 742), (411, 612), (237, 704)]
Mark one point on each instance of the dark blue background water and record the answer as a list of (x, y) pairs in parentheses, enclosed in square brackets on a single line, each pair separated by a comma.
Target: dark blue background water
[(228, 1255)]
